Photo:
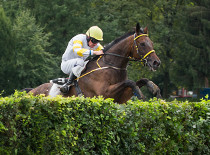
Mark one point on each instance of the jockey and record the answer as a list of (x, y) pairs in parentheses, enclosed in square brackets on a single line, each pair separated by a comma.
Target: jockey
[(79, 48)]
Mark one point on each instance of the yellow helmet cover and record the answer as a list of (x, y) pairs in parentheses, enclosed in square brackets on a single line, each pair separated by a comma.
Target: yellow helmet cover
[(95, 32)]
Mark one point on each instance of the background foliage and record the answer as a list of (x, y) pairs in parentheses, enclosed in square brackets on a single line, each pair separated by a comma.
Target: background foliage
[(41, 125), (35, 33)]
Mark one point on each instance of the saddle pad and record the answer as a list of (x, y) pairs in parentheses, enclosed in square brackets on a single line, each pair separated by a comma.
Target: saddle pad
[(55, 90)]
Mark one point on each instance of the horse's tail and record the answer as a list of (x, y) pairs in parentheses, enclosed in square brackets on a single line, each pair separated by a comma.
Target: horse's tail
[(26, 89)]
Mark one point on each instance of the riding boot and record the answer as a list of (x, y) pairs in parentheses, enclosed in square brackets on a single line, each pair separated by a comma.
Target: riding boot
[(65, 88)]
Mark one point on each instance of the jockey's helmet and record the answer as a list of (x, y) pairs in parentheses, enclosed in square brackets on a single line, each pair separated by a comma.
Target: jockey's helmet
[(95, 32)]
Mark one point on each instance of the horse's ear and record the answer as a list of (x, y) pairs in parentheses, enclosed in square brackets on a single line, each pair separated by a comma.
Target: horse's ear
[(146, 30), (137, 28)]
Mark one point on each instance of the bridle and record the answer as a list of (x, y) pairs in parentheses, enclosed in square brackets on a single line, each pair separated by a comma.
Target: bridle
[(143, 58)]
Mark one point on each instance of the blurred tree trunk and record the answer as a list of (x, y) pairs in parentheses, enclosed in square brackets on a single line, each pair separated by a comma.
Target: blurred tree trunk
[(166, 83), (206, 82)]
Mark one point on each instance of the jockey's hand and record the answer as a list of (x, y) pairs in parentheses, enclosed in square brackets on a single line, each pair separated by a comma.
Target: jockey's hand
[(98, 52)]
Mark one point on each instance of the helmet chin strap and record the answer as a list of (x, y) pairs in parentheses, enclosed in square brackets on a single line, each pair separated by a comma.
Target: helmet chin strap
[(88, 39)]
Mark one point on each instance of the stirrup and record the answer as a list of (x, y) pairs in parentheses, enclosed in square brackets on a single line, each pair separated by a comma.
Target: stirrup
[(65, 88)]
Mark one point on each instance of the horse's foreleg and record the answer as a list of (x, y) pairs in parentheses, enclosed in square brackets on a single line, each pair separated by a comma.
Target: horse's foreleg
[(123, 91), (153, 88)]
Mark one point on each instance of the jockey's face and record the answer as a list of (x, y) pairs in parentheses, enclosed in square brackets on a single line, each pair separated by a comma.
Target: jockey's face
[(91, 45)]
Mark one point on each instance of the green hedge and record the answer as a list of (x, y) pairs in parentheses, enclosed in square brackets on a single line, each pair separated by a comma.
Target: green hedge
[(43, 125)]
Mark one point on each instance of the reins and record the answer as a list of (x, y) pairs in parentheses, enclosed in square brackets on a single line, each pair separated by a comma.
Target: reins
[(117, 55)]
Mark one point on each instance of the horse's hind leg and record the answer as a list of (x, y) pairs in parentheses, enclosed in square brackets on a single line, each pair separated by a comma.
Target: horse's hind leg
[(153, 88), (123, 91), (26, 89), (42, 89)]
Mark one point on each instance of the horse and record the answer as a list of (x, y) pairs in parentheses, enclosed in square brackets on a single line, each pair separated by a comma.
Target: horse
[(106, 75)]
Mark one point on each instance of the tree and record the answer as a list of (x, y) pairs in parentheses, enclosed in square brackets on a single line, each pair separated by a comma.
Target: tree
[(165, 18), (195, 70), (34, 65), (7, 54), (62, 18)]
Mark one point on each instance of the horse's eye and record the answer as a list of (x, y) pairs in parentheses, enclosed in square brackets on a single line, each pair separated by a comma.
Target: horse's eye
[(142, 44)]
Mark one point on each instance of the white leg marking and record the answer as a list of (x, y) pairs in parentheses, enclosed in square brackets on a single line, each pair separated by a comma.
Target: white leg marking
[(55, 90)]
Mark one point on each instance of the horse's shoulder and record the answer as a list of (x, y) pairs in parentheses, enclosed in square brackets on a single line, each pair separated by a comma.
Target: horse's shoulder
[(92, 61), (93, 58)]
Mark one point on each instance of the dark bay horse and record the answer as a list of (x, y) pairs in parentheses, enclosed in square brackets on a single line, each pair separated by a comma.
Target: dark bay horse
[(106, 75)]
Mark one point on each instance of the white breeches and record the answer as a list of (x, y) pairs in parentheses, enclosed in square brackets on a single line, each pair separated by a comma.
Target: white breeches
[(74, 65), (66, 66)]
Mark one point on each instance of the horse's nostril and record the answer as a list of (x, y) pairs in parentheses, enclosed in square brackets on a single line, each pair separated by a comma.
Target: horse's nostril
[(156, 63)]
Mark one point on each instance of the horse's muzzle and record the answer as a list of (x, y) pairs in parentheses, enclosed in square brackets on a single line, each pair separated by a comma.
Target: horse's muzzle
[(153, 65), (156, 64)]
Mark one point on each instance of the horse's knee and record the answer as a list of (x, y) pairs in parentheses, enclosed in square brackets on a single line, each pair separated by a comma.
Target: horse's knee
[(142, 82), (136, 90)]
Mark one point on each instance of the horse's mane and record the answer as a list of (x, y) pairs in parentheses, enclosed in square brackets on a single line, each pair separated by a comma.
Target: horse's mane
[(107, 47)]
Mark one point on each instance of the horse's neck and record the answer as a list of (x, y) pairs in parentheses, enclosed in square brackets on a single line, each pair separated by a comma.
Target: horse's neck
[(123, 49)]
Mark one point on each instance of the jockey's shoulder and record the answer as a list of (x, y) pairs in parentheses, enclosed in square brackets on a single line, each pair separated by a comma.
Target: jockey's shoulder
[(80, 36)]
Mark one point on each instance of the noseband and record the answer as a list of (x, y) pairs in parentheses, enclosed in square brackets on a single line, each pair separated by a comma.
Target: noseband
[(143, 58)]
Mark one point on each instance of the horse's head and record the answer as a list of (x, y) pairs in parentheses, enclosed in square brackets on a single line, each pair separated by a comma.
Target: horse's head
[(144, 50)]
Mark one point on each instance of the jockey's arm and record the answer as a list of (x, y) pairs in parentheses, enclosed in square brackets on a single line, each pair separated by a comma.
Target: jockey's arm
[(98, 52)]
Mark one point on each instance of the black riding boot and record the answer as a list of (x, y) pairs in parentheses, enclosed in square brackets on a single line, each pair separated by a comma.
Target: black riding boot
[(65, 88)]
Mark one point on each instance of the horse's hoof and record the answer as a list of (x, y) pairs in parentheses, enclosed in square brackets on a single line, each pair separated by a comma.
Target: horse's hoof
[(80, 95)]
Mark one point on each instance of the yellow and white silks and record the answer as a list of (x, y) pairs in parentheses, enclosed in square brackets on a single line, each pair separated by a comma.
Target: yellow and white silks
[(76, 52)]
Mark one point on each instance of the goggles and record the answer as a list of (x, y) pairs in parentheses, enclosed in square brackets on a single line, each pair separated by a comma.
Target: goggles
[(94, 41)]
